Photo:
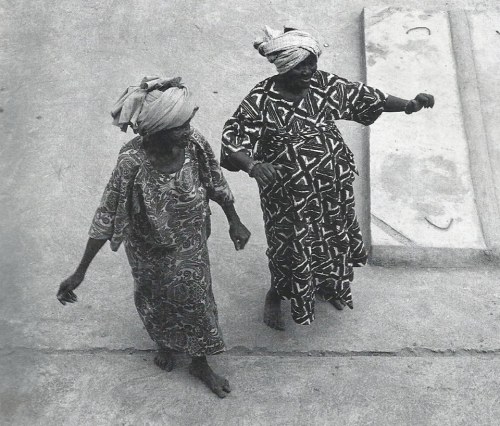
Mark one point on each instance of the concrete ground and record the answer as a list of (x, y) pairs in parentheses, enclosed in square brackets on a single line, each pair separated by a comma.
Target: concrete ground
[(421, 346)]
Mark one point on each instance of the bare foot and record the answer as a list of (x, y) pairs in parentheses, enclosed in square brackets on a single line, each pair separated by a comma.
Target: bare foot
[(165, 359), (337, 304), (272, 311), (217, 384)]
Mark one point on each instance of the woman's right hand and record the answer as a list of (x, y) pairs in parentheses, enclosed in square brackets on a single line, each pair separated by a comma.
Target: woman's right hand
[(265, 173), (65, 293)]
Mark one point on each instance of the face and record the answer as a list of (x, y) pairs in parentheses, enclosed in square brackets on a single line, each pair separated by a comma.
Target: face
[(179, 136), (300, 76)]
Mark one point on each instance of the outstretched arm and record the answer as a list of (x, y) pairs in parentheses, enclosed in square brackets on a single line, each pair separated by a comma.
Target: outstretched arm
[(395, 104), (65, 293)]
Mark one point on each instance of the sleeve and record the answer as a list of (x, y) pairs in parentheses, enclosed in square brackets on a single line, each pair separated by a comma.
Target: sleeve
[(104, 224), (211, 174), (357, 101), (241, 131)]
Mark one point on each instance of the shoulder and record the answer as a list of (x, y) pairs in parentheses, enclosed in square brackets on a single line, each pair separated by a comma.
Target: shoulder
[(198, 138), (261, 85), (326, 80), (199, 141), (259, 89), (251, 104), (130, 156)]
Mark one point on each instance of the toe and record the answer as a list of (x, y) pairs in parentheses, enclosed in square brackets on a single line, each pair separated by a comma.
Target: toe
[(219, 392), (337, 304), (226, 386), (164, 363)]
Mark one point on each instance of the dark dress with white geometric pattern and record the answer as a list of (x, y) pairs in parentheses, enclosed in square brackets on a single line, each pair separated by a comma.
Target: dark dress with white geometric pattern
[(163, 220), (313, 236)]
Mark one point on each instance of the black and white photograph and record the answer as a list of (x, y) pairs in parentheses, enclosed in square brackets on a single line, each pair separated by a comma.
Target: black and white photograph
[(247, 213)]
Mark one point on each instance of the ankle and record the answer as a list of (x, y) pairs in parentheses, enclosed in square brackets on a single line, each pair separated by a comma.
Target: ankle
[(273, 294), (199, 360)]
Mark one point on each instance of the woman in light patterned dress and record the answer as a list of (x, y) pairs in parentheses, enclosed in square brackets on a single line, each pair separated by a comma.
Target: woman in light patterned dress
[(283, 134), (156, 203)]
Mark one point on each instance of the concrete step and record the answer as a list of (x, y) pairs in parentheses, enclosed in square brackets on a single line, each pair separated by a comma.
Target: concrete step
[(433, 199)]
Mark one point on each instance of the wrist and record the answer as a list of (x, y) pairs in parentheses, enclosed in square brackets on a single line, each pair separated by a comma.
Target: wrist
[(233, 220), (408, 109), (231, 214), (251, 167)]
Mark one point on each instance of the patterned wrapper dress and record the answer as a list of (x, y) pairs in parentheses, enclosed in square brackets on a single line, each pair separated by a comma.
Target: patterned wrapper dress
[(313, 236), (163, 220)]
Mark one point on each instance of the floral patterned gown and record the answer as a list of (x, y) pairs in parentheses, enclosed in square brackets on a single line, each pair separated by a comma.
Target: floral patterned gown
[(163, 221), (313, 236)]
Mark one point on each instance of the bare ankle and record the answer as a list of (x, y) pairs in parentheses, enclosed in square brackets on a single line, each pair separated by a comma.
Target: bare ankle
[(199, 360)]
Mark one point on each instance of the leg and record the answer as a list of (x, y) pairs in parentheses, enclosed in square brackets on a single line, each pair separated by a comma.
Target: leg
[(165, 359), (199, 368), (273, 316), (337, 304)]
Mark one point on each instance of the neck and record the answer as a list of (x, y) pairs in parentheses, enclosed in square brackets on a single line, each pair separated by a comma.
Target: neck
[(285, 84), (158, 144)]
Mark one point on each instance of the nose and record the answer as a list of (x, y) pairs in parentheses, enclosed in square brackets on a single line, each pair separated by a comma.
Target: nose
[(307, 71)]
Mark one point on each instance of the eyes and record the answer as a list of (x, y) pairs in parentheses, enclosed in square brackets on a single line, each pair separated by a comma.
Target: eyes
[(185, 127), (310, 63)]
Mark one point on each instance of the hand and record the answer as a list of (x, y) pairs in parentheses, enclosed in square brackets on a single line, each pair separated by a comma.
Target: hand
[(422, 100), (239, 235), (65, 293), (265, 173)]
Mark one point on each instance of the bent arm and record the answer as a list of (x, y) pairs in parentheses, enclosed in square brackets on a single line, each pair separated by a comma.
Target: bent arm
[(242, 160)]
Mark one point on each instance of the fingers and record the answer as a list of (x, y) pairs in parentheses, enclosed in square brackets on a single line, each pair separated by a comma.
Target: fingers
[(265, 173), (430, 101), (422, 100), (236, 242), (239, 235), (240, 241), (66, 296), (426, 100)]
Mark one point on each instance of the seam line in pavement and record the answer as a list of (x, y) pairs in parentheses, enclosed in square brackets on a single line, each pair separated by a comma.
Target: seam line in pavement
[(419, 352)]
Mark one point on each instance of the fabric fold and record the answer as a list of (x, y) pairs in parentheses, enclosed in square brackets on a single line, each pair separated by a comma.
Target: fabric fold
[(286, 49)]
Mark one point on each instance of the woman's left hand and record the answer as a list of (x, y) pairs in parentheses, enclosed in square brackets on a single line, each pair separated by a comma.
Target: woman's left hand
[(422, 100), (239, 234)]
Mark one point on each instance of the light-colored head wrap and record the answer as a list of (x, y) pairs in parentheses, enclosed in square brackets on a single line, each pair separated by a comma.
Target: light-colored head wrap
[(156, 104), (286, 49)]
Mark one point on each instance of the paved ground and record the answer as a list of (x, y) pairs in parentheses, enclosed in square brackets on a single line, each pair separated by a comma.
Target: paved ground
[(421, 347)]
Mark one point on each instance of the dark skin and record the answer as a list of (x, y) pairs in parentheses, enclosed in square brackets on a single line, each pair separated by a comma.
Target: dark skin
[(166, 152), (294, 86)]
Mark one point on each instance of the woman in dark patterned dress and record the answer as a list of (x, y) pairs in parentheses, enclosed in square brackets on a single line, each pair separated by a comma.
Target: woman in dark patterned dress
[(284, 135), (156, 202)]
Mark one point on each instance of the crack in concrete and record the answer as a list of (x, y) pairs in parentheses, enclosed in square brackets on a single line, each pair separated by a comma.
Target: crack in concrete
[(243, 351)]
